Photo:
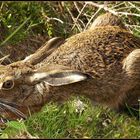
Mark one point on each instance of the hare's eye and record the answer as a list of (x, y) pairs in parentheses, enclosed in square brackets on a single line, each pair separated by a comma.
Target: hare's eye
[(8, 84)]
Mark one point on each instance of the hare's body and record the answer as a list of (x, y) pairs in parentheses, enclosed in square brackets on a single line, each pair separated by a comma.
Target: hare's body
[(95, 50), (101, 63), (106, 20)]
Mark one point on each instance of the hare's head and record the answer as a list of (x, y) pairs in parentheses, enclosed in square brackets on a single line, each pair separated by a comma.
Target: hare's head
[(12, 87), (24, 88), (16, 90)]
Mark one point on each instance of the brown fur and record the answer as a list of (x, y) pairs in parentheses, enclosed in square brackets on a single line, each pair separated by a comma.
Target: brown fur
[(106, 20)]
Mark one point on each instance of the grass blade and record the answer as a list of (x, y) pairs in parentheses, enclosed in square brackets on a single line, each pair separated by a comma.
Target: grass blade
[(11, 35)]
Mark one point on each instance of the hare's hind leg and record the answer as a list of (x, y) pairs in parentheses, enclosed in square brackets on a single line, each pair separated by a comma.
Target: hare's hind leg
[(132, 68)]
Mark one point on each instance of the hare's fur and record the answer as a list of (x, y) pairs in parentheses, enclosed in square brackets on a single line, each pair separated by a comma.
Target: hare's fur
[(98, 63), (94, 50)]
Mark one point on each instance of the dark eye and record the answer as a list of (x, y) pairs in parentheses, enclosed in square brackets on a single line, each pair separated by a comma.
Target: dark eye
[(8, 84)]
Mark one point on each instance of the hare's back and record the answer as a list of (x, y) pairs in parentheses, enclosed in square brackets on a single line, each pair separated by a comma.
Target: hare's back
[(94, 50)]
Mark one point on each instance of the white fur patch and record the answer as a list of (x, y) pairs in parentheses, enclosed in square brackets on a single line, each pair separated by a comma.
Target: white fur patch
[(75, 77), (65, 79), (37, 76), (27, 58), (40, 88), (58, 79)]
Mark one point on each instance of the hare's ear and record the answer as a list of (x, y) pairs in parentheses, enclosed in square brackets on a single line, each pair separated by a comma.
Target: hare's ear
[(58, 78), (5, 60), (44, 51)]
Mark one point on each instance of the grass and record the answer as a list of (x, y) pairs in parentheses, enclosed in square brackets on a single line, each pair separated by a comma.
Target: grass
[(91, 122), (64, 121), (13, 18), (20, 20)]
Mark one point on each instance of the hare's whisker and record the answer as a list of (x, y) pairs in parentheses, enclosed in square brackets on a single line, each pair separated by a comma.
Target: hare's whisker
[(9, 103), (14, 110), (2, 119), (2, 110)]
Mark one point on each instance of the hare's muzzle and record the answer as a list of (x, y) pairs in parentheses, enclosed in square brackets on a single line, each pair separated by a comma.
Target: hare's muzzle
[(23, 113)]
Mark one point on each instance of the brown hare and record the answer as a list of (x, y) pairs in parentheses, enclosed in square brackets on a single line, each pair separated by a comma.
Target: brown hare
[(101, 63)]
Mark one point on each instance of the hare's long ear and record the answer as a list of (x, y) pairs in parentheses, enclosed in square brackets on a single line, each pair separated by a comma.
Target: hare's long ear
[(5, 59), (44, 51), (58, 77)]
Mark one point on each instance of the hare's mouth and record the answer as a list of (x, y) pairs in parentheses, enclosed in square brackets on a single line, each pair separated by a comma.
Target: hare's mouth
[(12, 111), (8, 108)]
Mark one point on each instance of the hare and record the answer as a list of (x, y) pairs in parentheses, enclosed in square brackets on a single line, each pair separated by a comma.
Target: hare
[(101, 63)]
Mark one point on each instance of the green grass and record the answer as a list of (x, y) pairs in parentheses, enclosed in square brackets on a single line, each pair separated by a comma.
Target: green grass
[(63, 121), (20, 20), (92, 122), (13, 16)]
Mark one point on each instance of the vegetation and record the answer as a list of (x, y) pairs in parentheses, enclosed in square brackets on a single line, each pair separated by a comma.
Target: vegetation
[(22, 22), (74, 121)]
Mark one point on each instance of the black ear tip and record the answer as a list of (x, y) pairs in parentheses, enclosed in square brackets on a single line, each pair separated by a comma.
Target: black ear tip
[(55, 42), (59, 38), (56, 39), (89, 76)]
